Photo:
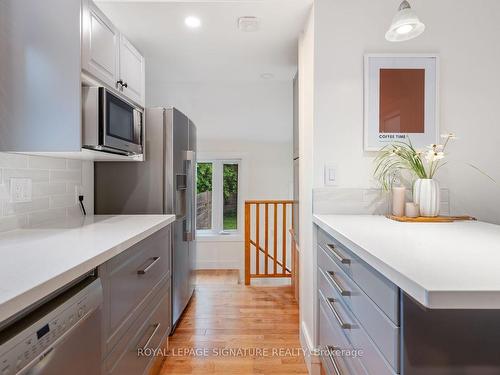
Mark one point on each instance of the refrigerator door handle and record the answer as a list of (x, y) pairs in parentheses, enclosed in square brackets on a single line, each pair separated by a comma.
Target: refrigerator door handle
[(190, 234)]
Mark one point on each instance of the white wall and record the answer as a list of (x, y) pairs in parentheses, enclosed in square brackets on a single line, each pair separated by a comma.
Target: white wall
[(53, 184), (259, 111), (465, 35), (307, 257), (248, 120)]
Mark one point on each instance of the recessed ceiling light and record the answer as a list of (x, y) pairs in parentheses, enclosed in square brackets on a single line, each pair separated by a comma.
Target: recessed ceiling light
[(248, 24), (192, 22), (267, 76)]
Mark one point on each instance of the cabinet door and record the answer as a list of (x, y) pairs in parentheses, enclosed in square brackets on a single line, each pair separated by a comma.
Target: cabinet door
[(132, 71), (100, 45), (40, 72)]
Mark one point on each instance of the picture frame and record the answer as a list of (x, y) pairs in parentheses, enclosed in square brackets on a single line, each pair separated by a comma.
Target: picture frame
[(400, 99)]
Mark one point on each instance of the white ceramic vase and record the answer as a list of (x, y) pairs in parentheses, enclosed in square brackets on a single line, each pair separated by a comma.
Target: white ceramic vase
[(426, 194)]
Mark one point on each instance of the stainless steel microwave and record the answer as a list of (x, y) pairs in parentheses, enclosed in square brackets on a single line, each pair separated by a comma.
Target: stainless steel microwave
[(111, 123)]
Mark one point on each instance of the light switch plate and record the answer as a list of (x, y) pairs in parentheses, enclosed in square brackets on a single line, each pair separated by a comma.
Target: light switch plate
[(21, 190), (330, 175)]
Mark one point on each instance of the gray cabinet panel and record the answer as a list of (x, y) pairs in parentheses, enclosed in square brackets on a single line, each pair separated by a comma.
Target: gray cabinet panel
[(126, 289), (148, 331), (40, 104), (331, 336), (384, 293), (371, 358), (378, 326)]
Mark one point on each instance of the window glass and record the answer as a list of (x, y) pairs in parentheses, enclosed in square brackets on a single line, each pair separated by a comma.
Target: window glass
[(204, 196), (230, 192), (121, 122)]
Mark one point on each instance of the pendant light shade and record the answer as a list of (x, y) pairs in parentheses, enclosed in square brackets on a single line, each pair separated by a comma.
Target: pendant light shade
[(405, 25)]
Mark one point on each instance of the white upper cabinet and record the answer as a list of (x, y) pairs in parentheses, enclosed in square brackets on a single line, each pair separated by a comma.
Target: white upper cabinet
[(132, 72), (108, 56), (100, 45)]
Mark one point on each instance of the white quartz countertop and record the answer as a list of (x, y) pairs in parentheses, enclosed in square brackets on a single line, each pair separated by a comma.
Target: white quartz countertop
[(441, 265), (36, 262)]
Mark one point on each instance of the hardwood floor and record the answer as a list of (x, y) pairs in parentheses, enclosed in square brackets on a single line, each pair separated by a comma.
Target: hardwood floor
[(217, 277), (235, 329)]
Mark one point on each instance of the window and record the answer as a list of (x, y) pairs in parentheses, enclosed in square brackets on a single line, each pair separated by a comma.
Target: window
[(218, 197), (204, 196)]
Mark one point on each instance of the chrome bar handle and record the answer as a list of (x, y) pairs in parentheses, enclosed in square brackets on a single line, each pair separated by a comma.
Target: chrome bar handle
[(143, 271), (343, 292), (342, 324), (190, 234), (335, 365), (148, 341), (337, 255)]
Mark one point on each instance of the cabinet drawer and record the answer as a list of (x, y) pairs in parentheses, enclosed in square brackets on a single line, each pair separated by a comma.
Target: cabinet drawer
[(130, 278), (384, 293), (334, 283), (149, 331), (340, 316), (337, 354)]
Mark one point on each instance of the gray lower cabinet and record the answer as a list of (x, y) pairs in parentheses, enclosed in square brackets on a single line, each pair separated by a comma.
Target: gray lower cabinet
[(137, 304), (368, 326), (359, 323)]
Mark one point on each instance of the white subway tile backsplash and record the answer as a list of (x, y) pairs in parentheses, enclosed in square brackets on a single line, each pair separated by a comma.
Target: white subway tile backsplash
[(4, 193), (71, 187), (62, 201), (75, 211), (47, 216), (66, 176), (13, 161), (44, 189), (40, 162), (13, 222), (34, 174), (74, 164), (54, 181), (10, 208)]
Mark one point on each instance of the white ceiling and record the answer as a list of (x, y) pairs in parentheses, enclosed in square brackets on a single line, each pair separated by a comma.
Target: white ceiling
[(217, 51)]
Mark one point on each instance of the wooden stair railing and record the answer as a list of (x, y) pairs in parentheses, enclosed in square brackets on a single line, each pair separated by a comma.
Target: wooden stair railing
[(267, 244), (295, 264)]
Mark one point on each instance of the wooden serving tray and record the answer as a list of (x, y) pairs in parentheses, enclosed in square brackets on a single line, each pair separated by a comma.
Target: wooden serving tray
[(437, 219)]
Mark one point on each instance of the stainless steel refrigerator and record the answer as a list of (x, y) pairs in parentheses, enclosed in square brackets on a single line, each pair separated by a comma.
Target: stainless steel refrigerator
[(164, 184)]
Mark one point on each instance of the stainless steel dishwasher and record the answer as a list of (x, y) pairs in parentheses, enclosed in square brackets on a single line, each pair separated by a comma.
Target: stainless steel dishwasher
[(60, 337)]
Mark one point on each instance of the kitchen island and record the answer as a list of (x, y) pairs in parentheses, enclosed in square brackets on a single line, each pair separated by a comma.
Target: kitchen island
[(416, 298)]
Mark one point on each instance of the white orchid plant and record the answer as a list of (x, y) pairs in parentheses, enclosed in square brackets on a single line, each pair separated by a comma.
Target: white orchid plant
[(400, 156)]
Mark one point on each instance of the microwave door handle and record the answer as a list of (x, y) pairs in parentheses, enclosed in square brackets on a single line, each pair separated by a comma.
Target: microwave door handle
[(190, 158)]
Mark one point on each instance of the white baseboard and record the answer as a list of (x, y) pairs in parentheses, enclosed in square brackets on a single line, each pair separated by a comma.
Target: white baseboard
[(217, 265), (312, 361)]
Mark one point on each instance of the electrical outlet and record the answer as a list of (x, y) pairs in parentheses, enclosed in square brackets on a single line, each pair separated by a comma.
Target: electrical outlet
[(21, 190)]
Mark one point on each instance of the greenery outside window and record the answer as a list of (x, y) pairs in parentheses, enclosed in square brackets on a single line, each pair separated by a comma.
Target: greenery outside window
[(218, 196)]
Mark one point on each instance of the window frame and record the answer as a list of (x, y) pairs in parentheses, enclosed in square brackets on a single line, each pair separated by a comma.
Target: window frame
[(218, 198)]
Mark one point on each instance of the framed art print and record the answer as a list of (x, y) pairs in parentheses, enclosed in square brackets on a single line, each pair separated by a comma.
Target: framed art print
[(401, 93)]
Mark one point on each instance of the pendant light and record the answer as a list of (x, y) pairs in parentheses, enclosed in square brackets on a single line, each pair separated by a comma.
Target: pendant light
[(405, 25)]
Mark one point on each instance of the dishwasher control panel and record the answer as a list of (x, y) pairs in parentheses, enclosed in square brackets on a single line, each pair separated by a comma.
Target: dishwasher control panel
[(34, 342)]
